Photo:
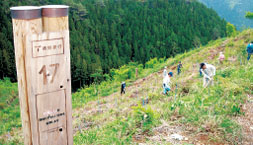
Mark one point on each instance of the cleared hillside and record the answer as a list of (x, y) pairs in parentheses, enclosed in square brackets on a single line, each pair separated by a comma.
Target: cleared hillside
[(218, 115), (221, 114)]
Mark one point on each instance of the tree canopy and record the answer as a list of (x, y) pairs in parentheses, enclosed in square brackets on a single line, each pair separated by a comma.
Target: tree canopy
[(107, 34)]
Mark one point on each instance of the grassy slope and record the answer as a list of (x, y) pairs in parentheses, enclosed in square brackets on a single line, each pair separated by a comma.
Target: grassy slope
[(196, 111), (200, 111)]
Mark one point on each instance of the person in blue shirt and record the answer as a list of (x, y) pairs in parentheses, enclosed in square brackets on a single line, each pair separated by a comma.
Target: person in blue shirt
[(179, 66), (249, 50)]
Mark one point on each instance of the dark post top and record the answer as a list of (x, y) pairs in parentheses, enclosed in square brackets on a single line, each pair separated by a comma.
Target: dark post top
[(26, 12), (55, 11)]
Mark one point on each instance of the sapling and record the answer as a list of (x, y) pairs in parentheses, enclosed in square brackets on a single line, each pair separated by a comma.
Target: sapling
[(208, 91), (146, 101), (241, 60), (79, 128), (175, 89), (116, 99), (99, 109), (176, 93), (143, 102), (116, 102)]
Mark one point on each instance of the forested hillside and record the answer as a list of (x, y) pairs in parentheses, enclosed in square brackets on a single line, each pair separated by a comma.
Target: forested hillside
[(232, 10), (108, 34)]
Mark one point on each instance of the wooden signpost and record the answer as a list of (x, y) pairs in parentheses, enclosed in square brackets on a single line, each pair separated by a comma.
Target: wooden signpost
[(42, 52)]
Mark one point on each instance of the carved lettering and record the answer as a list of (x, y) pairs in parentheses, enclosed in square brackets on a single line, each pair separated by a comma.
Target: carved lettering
[(45, 74), (43, 71), (47, 47), (52, 117), (37, 48), (55, 70)]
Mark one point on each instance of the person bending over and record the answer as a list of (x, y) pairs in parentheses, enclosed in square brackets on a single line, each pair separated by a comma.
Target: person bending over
[(208, 72)]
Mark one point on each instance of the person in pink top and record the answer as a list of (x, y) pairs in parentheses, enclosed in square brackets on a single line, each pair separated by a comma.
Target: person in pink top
[(221, 57)]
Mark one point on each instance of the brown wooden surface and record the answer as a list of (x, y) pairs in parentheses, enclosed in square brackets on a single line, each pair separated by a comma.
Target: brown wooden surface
[(54, 132), (55, 24), (50, 87), (61, 25), (20, 29), (42, 54)]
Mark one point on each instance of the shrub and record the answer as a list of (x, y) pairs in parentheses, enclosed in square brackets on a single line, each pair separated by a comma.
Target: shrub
[(144, 118)]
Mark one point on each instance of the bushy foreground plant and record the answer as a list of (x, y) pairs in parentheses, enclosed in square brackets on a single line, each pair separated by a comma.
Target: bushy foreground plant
[(120, 131), (145, 118)]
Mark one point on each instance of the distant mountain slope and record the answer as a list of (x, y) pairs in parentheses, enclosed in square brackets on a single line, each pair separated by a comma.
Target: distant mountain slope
[(232, 10)]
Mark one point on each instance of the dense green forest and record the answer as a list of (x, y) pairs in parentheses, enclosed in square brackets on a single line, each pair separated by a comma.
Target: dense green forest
[(107, 34)]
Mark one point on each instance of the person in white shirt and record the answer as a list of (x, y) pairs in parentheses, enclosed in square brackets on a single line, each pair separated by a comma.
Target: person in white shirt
[(165, 72), (167, 83), (208, 71)]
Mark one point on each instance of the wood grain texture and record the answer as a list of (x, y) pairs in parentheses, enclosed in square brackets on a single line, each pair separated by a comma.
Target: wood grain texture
[(20, 29), (61, 24), (68, 92), (55, 24), (54, 132), (49, 74), (44, 80)]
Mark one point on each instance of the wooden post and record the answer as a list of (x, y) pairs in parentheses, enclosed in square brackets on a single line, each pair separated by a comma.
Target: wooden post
[(43, 67), (26, 20), (55, 19)]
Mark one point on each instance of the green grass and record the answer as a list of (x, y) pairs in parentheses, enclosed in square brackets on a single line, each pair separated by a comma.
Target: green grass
[(9, 105), (121, 130), (211, 110)]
